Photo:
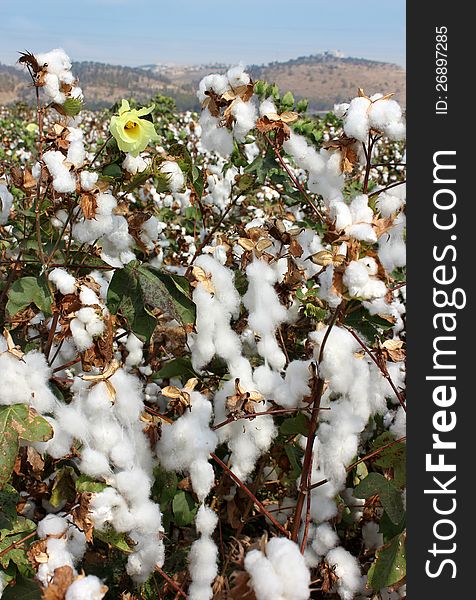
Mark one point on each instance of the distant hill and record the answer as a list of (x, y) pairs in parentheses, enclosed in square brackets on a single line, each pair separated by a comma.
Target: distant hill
[(322, 78)]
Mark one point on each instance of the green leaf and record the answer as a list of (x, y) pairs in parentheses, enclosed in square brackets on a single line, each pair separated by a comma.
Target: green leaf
[(287, 101), (178, 367), (390, 565), (64, 487), (390, 497), (165, 486), (171, 295), (86, 484), (112, 170), (72, 106), (114, 539), (24, 589), (20, 528), (8, 506), (301, 106), (184, 508), (394, 457), (389, 529), (26, 291), (295, 425), (18, 422)]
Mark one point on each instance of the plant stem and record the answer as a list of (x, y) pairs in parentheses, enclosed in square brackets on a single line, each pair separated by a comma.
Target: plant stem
[(247, 491), (171, 582), (307, 461)]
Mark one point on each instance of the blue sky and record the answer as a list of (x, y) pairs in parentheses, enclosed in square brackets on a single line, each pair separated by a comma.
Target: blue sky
[(133, 32)]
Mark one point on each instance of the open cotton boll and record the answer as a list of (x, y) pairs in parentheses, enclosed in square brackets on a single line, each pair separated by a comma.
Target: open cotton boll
[(94, 463), (218, 83), (55, 61), (324, 539), (268, 106), (63, 281), (215, 138), (203, 568), (51, 525), (133, 484), (237, 76), (134, 350), (86, 588), (134, 164), (175, 177), (206, 520), (371, 536), (81, 337), (63, 180), (383, 113), (117, 244), (347, 569), (341, 109), (76, 152), (359, 280), (129, 403), (340, 213), (245, 114), (88, 180), (281, 573), (356, 121), (6, 203), (391, 201)]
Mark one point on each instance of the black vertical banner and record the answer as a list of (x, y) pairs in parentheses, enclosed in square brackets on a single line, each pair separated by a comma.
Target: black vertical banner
[(440, 319)]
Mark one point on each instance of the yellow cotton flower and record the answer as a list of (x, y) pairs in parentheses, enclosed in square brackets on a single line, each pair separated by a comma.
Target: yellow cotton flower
[(131, 132)]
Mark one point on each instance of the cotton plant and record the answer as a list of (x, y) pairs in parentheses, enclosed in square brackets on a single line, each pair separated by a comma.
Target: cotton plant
[(204, 341)]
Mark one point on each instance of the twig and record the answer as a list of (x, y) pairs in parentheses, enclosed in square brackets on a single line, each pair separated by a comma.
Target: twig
[(392, 185), (171, 582), (277, 411), (247, 491), (293, 178), (363, 459), (382, 368), (17, 544), (307, 461)]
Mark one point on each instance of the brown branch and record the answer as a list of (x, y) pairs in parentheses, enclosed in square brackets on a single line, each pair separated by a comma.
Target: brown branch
[(171, 582), (363, 459), (381, 367), (277, 411), (247, 491), (294, 179), (392, 185), (307, 461), (17, 544)]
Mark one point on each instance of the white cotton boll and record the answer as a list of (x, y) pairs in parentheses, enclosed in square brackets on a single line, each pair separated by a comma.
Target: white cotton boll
[(340, 213), (88, 297), (63, 180), (147, 516), (360, 209), (237, 76), (86, 314), (116, 247), (88, 180), (95, 327), (59, 445), (81, 337), (399, 425), (175, 177), (371, 536), (76, 152), (388, 203), (134, 164), (71, 420), (86, 588), (287, 560), (129, 400), (94, 463), (6, 203), (203, 568), (396, 131), (206, 520), (134, 484), (341, 109), (265, 582), (356, 122), (266, 107), (324, 539), (134, 350), (63, 281), (347, 569), (51, 525), (363, 232), (245, 114), (202, 477), (51, 86), (55, 61), (123, 455), (383, 113), (215, 138), (218, 83)]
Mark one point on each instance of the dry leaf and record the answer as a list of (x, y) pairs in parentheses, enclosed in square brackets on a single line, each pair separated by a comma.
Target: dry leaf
[(88, 203), (81, 516), (63, 577), (203, 278)]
